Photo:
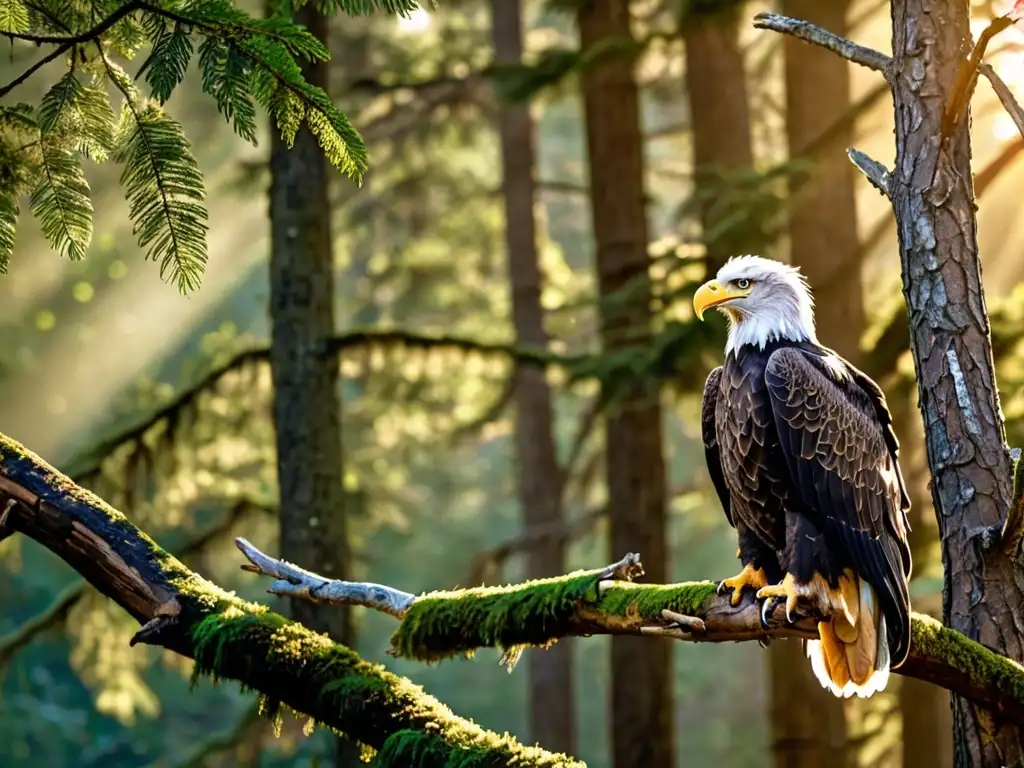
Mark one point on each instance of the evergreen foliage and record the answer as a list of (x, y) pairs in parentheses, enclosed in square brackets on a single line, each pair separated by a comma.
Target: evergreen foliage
[(243, 60)]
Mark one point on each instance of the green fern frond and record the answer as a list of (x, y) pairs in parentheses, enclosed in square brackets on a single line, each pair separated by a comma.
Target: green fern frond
[(220, 19), (291, 98), (97, 123), (57, 107), (226, 74), (61, 200), (80, 115), (19, 118), (13, 16), (127, 37), (366, 7), (165, 193), (167, 65), (12, 176)]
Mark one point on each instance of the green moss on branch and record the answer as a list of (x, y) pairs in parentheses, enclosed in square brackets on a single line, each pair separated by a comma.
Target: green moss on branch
[(232, 639), (440, 625)]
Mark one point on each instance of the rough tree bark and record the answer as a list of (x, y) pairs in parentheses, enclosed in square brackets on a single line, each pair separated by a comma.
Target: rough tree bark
[(551, 698), (808, 723), (924, 708), (641, 696), (716, 86), (933, 200), (307, 410), (972, 485)]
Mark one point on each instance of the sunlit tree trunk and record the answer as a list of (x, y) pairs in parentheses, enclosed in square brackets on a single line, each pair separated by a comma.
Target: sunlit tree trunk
[(307, 410), (641, 696), (551, 704), (971, 478), (716, 86), (924, 708)]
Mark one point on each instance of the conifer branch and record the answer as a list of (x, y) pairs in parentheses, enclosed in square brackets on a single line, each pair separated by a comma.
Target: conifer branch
[(65, 43), (809, 33)]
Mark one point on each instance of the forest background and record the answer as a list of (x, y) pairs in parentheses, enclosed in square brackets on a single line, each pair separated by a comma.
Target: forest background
[(135, 390)]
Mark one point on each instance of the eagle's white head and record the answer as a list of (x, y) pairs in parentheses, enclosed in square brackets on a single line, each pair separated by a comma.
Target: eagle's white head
[(764, 301)]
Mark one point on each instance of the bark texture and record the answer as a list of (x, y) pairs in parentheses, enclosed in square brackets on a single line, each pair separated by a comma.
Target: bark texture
[(551, 699), (924, 708), (933, 200), (641, 696), (808, 723), (720, 122), (307, 409)]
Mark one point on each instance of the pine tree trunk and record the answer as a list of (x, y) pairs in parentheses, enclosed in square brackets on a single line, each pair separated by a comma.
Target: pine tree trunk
[(551, 701), (933, 198), (809, 723), (720, 122), (924, 708), (641, 696), (307, 410)]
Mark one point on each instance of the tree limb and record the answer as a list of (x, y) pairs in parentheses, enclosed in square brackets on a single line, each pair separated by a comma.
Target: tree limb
[(57, 611), (1006, 97), (231, 638), (440, 625), (849, 50), (873, 170)]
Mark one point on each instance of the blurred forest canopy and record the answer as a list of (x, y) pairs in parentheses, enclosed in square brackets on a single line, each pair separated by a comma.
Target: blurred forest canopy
[(162, 405)]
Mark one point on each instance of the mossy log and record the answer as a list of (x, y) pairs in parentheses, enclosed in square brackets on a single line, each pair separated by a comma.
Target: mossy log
[(440, 625), (231, 638)]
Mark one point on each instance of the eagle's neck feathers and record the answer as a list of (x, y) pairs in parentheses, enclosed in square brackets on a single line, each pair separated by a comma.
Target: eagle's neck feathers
[(789, 317)]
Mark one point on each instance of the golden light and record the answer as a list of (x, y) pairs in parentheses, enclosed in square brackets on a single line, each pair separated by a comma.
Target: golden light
[(418, 21)]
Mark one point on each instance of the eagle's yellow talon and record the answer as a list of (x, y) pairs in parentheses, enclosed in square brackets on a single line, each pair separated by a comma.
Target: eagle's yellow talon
[(748, 577)]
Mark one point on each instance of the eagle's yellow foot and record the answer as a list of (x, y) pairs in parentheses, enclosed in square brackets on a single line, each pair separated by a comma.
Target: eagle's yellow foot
[(788, 589), (819, 598), (748, 577)]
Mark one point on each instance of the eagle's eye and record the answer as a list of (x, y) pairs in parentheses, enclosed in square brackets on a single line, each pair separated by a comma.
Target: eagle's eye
[(743, 283)]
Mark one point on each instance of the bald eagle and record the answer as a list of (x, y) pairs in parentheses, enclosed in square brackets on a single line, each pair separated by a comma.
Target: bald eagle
[(801, 450)]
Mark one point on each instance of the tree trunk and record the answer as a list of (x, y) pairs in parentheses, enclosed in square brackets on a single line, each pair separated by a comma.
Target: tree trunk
[(809, 723), (924, 708), (551, 701), (720, 122), (307, 410), (933, 200), (641, 695)]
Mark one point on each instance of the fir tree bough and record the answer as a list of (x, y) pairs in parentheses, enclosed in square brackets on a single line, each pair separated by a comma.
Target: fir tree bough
[(243, 61)]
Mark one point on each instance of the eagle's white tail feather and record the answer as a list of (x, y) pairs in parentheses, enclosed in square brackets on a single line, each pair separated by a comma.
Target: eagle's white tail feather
[(844, 687)]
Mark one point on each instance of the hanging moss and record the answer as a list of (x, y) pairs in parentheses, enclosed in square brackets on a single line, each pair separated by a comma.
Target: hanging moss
[(305, 670), (440, 625)]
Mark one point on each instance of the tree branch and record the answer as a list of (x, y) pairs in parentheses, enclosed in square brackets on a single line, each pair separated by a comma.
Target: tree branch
[(1006, 97), (230, 638), (875, 172), (65, 43), (440, 625), (849, 50), (57, 612)]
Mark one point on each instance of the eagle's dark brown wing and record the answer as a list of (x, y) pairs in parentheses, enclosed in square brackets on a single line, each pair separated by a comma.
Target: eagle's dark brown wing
[(844, 465), (712, 453)]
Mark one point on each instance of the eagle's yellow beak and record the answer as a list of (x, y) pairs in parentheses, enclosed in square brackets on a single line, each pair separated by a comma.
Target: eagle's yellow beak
[(713, 293)]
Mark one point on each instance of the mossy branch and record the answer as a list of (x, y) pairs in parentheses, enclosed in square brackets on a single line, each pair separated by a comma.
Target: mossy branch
[(230, 638), (441, 625)]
